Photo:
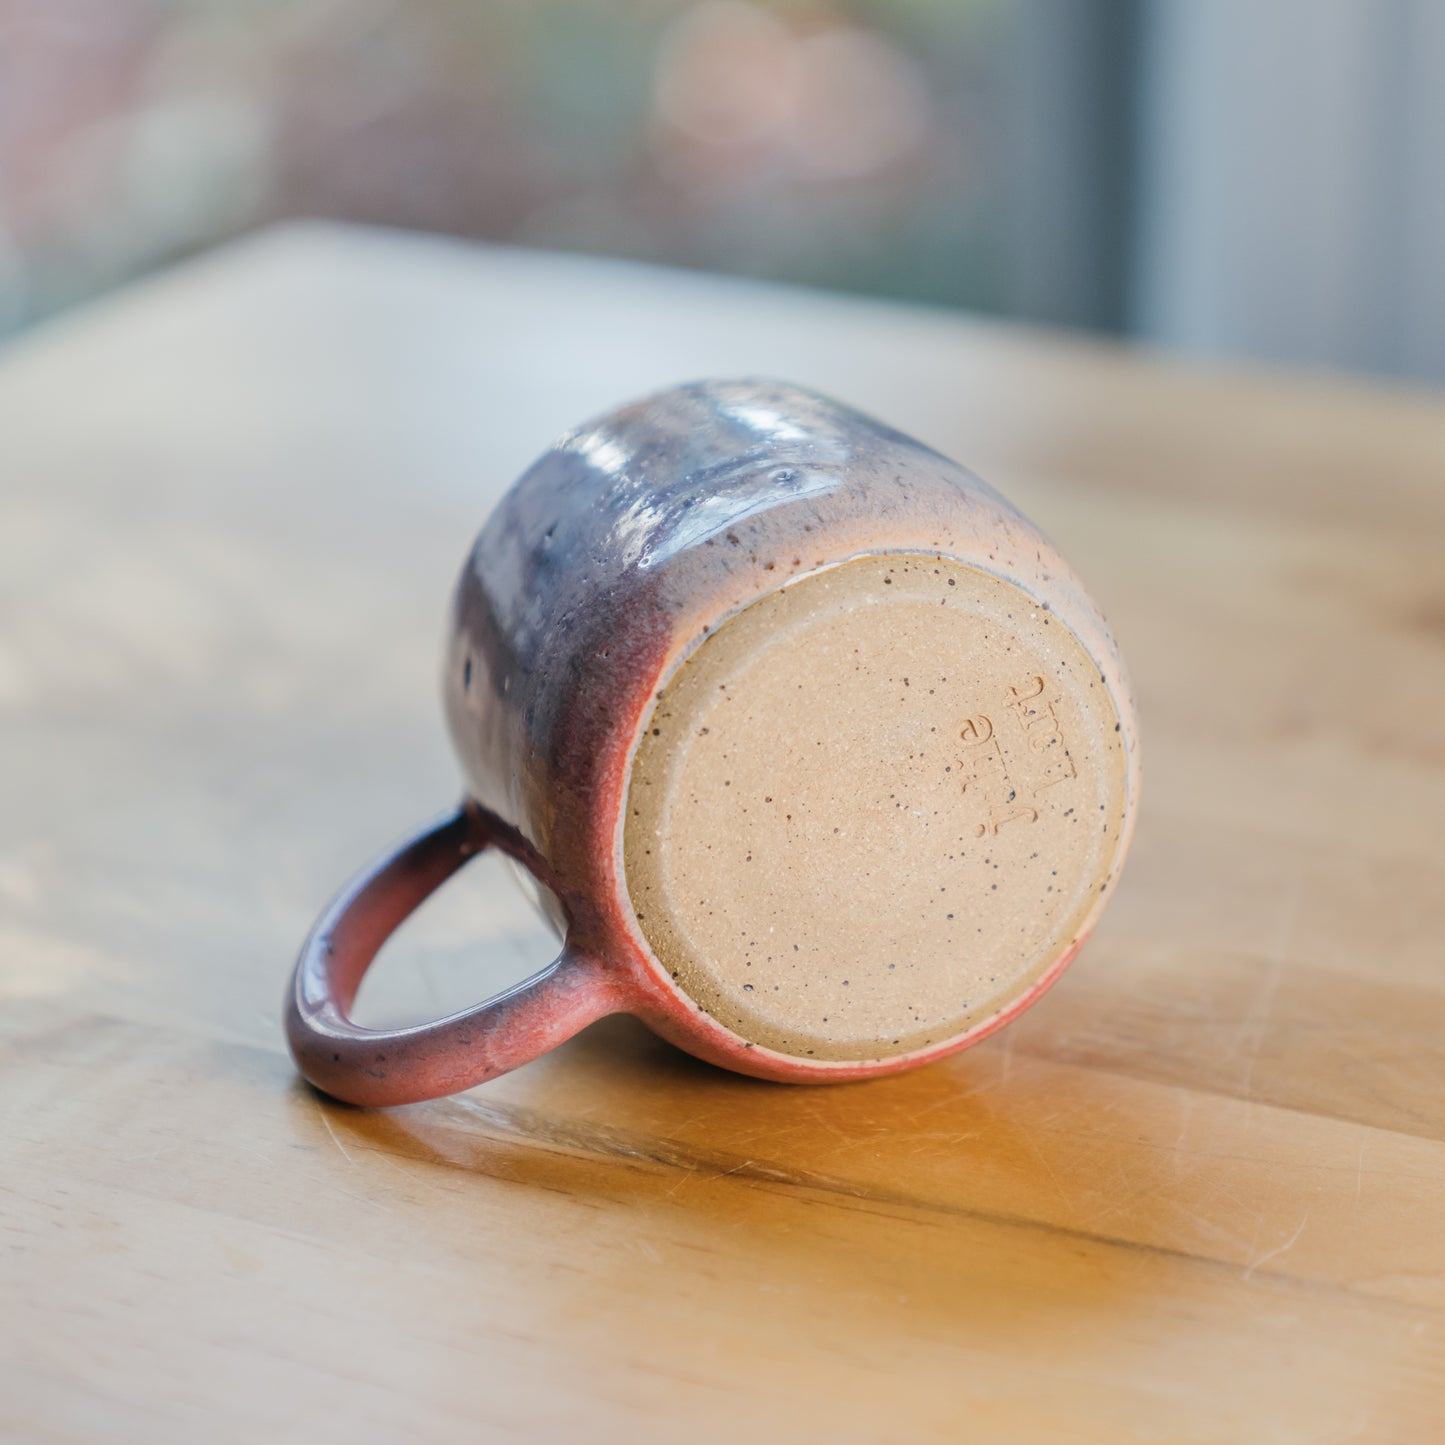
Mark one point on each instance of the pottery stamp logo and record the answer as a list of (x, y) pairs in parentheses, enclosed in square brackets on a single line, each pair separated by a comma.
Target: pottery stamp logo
[(988, 775), (1041, 727)]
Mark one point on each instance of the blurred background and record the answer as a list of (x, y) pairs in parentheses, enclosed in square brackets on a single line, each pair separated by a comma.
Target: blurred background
[(1262, 179)]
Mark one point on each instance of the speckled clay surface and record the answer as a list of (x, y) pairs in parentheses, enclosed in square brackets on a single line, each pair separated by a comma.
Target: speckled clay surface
[(606, 568), (873, 808)]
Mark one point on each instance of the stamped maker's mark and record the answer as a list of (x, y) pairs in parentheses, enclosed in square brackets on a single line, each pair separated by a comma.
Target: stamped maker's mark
[(1027, 710)]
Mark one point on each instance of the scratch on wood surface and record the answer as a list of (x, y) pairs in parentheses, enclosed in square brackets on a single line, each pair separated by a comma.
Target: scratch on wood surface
[(682, 1179), (325, 1183), (1255, 1026), (1280, 1249), (1008, 1056), (943, 1101), (1205, 1227), (345, 1154), (1065, 1198)]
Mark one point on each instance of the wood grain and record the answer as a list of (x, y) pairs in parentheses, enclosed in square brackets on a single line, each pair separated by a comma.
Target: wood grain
[(1197, 1194)]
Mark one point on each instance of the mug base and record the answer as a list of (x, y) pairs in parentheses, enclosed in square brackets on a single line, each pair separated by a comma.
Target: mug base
[(874, 809)]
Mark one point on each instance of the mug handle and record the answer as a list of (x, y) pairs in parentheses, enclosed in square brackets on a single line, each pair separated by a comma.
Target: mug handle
[(403, 1066)]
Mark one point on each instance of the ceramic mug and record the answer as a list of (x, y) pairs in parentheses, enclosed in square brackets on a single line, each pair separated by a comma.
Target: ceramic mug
[(823, 756)]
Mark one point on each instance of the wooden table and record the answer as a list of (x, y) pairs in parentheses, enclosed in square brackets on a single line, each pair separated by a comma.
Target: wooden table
[(1197, 1194)]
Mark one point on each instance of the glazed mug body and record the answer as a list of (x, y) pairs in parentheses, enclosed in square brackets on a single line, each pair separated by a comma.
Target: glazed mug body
[(824, 757)]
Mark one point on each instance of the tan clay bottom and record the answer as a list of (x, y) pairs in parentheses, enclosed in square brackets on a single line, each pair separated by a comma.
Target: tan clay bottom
[(873, 808)]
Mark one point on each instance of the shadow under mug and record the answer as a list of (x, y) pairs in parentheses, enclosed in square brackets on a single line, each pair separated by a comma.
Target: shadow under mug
[(824, 757)]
